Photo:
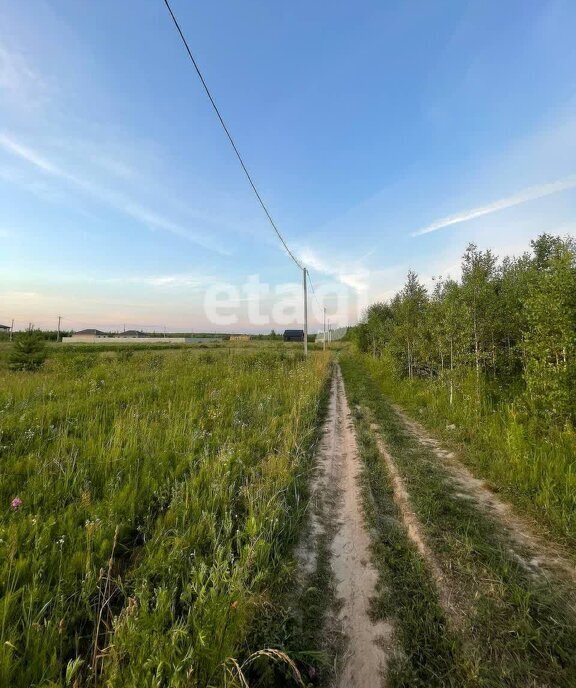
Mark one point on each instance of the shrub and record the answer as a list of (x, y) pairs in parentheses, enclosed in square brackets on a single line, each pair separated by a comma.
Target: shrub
[(29, 351)]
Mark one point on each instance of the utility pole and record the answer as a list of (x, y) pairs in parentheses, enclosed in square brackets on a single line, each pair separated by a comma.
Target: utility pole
[(305, 314), (11, 329), (58, 333), (324, 340)]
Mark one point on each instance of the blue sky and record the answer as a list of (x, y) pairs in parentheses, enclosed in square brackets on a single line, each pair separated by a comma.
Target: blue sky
[(383, 136)]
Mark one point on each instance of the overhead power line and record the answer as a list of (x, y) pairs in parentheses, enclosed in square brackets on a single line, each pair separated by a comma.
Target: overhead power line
[(313, 290), (217, 111)]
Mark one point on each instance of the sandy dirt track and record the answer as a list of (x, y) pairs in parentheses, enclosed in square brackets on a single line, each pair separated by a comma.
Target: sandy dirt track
[(544, 556), (363, 660)]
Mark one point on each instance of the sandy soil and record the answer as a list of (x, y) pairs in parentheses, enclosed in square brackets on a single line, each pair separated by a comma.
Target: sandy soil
[(537, 553), (365, 656)]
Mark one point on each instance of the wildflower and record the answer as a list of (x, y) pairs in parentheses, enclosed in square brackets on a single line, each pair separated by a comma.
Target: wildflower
[(16, 503), (234, 604)]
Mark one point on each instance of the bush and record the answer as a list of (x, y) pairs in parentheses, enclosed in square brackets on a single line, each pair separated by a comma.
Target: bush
[(29, 351)]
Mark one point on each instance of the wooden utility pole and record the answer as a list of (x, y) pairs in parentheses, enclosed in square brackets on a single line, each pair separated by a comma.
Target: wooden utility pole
[(58, 333), (11, 329)]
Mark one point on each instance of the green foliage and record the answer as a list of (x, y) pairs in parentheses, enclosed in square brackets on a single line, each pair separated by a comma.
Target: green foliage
[(513, 628), (498, 439), (512, 323), (159, 494), (550, 338), (493, 355), (28, 352)]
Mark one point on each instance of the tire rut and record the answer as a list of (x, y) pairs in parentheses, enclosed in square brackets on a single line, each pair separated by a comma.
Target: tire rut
[(537, 554), (337, 508)]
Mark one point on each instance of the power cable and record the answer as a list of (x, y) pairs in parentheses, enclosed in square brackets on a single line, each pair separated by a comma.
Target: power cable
[(217, 111), (313, 290)]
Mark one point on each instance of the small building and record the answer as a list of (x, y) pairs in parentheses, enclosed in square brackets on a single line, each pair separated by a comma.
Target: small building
[(90, 332), (5, 328), (131, 333), (293, 335), (239, 337)]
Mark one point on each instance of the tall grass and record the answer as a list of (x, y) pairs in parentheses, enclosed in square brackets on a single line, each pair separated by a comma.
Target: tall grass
[(506, 626), (159, 491), (532, 465)]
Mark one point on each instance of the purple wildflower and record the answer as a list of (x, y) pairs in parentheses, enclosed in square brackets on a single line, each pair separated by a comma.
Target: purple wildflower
[(16, 503)]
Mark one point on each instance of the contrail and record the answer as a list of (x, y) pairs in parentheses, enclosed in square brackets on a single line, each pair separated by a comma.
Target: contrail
[(529, 194)]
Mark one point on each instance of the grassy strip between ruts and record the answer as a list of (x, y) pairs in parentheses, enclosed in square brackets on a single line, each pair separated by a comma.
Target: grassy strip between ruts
[(427, 650), (516, 629)]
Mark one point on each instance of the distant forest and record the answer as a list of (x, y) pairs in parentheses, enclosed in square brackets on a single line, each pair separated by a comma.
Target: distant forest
[(505, 331)]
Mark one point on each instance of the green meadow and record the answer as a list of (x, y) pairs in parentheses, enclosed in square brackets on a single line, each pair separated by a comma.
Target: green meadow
[(147, 502)]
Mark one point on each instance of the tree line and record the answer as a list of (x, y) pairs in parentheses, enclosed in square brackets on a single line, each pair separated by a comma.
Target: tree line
[(506, 328)]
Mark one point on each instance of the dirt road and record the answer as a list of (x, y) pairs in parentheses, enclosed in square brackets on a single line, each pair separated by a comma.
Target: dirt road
[(537, 553), (337, 509), (477, 596), (465, 594)]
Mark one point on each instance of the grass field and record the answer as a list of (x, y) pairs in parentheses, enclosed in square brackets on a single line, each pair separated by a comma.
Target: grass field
[(504, 625), (159, 492), (152, 500), (531, 466)]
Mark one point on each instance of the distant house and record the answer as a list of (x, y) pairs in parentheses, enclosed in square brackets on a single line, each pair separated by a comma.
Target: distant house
[(4, 328), (293, 335), (131, 333), (239, 337), (90, 332)]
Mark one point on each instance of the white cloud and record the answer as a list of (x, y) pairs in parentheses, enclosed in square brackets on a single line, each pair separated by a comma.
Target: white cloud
[(30, 156), (19, 83), (354, 276), (530, 194), (118, 201), (189, 280)]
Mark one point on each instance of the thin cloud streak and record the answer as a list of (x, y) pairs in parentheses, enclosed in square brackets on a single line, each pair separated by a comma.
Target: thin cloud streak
[(188, 280), (112, 199), (20, 84), (30, 156), (530, 194), (355, 277)]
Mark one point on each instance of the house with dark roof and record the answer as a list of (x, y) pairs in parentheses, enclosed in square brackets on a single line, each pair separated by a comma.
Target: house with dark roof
[(131, 333), (293, 335), (90, 332), (4, 328)]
